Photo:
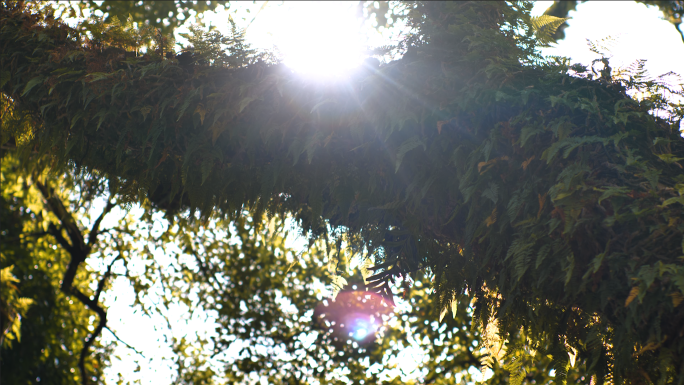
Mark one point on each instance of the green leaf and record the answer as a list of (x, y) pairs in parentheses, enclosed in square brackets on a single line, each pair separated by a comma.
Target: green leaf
[(245, 102), (528, 132), (144, 111), (405, 147), (517, 371), (560, 363), (32, 83), (97, 76), (670, 201), (207, 166), (492, 192), (562, 195), (612, 191), (5, 77), (668, 158), (545, 27)]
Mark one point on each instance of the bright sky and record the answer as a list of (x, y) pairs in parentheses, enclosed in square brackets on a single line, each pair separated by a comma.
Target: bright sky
[(293, 27), (326, 40), (639, 32), (319, 39)]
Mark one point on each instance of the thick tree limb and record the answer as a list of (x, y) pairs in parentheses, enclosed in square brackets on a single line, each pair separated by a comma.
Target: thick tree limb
[(65, 218), (56, 232), (92, 304), (79, 250), (102, 315)]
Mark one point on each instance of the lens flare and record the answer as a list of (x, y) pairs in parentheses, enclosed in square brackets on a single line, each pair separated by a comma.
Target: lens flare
[(361, 327), (355, 315)]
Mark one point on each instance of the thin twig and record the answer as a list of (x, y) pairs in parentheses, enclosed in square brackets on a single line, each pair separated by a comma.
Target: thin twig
[(257, 14), (470, 361), (210, 277), (92, 237), (123, 342), (107, 274)]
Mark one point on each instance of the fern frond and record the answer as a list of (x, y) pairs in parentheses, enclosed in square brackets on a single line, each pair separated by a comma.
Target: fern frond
[(545, 27), (516, 370), (7, 276), (515, 354), (23, 304), (560, 364)]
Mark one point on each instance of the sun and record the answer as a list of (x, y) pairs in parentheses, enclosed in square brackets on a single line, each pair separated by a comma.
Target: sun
[(316, 39)]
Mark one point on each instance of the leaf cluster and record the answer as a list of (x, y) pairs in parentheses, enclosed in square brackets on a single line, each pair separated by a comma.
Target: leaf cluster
[(165, 16), (222, 51)]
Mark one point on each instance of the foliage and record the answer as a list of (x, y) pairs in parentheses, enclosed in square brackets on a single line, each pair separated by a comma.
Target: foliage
[(545, 27), (164, 16), (561, 9), (54, 326), (381, 13), (267, 302), (220, 267), (13, 307), (125, 36), (221, 51), (550, 200), (206, 276)]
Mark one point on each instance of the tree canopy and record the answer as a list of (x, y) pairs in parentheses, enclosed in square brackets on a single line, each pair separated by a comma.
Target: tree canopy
[(164, 16), (267, 298), (543, 194)]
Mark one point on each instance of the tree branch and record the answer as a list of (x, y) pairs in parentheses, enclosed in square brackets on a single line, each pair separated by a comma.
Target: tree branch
[(107, 274), (210, 277), (467, 362), (57, 234), (66, 219), (124, 342), (94, 231), (77, 248), (92, 304), (79, 251)]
